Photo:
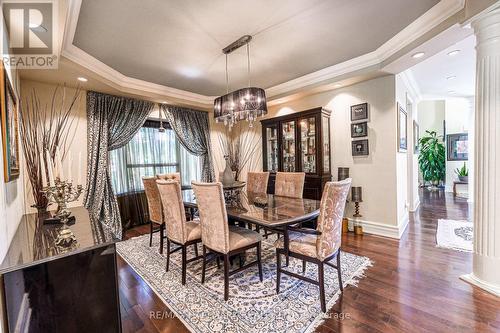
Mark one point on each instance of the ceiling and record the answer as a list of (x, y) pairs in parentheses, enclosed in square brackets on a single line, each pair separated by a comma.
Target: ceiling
[(178, 43), (431, 75)]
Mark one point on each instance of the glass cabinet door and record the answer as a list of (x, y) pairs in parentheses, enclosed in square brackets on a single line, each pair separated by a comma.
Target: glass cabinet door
[(326, 144), (272, 148), (308, 144), (288, 140)]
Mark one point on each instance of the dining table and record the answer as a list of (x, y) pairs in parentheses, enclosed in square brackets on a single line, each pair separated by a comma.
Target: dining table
[(269, 211)]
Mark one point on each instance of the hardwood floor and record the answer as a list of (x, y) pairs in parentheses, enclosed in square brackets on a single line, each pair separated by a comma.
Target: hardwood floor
[(412, 287)]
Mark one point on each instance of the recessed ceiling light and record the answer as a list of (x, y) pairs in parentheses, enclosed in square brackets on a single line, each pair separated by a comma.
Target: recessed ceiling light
[(418, 55), (452, 77), (453, 53), (337, 85), (451, 92), (163, 102), (82, 79)]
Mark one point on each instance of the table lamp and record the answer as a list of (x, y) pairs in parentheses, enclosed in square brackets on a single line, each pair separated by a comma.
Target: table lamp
[(357, 197)]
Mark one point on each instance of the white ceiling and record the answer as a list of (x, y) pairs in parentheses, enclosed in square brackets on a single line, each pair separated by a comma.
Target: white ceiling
[(178, 43), (432, 73)]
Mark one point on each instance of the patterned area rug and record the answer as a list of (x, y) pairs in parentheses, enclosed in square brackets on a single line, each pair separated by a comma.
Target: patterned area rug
[(456, 235), (253, 306)]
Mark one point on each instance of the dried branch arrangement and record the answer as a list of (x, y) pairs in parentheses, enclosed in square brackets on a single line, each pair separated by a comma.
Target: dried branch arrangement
[(45, 128), (240, 147)]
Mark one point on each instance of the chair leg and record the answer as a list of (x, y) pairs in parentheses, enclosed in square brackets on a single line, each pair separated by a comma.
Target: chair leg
[(150, 233), (339, 272), (278, 271), (168, 254), (162, 228), (195, 249), (217, 259), (240, 259), (303, 266), (184, 262), (259, 262), (226, 277), (257, 228), (204, 265), (321, 280)]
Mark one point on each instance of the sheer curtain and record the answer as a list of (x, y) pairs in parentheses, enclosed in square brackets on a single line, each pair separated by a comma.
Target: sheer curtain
[(148, 153), (151, 152)]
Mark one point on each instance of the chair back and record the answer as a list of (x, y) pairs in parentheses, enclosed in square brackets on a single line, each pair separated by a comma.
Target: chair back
[(330, 217), (213, 216), (289, 184), (173, 209), (170, 176), (153, 198), (257, 182)]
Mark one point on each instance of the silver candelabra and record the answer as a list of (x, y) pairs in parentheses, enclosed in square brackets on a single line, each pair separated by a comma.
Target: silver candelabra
[(62, 192)]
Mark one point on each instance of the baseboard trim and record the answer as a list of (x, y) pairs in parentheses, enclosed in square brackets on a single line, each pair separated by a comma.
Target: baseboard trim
[(415, 205), (470, 278), (379, 229)]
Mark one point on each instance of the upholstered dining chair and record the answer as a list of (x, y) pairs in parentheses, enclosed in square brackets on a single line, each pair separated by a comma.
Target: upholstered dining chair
[(218, 237), (154, 210), (321, 245), (257, 182), (179, 231), (289, 184)]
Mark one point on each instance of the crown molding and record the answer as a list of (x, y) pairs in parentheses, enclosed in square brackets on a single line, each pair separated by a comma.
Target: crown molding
[(412, 85), (113, 77), (373, 60)]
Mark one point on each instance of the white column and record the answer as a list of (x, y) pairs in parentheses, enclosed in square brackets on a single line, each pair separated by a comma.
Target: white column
[(486, 257)]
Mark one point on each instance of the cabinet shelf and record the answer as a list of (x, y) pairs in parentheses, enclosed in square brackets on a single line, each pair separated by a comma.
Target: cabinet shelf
[(303, 145)]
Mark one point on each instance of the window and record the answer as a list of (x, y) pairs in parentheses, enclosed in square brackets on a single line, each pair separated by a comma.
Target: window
[(151, 152)]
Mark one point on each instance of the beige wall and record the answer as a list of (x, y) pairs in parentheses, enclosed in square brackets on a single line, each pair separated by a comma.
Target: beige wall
[(77, 141), (376, 173), (431, 115)]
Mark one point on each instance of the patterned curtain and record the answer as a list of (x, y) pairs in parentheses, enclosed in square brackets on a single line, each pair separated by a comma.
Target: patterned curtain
[(112, 121), (191, 128)]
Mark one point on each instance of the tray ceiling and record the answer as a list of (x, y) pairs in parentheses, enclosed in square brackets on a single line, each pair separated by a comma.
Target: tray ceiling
[(178, 43)]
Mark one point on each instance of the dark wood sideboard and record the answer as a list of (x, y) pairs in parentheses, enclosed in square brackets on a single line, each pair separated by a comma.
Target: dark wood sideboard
[(299, 142), (47, 287)]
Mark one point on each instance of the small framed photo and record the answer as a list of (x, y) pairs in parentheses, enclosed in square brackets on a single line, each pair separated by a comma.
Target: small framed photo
[(359, 112), (360, 148), (359, 130), (458, 147), (402, 130), (416, 137)]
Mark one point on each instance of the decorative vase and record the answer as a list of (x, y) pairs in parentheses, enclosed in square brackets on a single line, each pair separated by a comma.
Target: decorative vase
[(464, 179), (227, 175)]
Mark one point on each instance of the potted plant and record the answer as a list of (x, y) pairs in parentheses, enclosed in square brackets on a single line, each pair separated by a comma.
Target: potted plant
[(463, 173), (431, 160)]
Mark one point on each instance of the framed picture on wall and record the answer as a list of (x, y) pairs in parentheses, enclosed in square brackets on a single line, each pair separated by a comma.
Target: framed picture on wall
[(10, 128), (359, 112), (360, 148), (416, 137), (402, 129), (359, 130), (458, 147)]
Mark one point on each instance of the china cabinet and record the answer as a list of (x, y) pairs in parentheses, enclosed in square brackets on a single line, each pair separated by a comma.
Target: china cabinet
[(299, 142)]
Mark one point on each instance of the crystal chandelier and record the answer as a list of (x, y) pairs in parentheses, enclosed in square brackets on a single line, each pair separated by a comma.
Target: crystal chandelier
[(242, 104)]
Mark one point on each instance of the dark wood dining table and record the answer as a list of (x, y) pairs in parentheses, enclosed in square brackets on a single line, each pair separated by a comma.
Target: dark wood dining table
[(278, 214)]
